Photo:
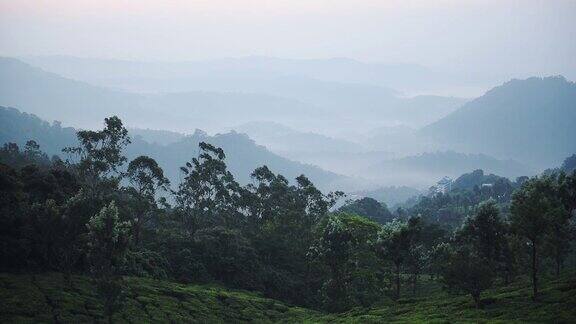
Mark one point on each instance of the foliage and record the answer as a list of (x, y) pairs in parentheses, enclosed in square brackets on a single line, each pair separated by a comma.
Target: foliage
[(344, 247), (396, 243), (208, 193), (370, 208), (274, 236), (108, 240), (25, 299)]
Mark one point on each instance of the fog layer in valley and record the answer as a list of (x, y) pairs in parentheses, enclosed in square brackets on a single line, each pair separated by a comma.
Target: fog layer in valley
[(359, 95), (365, 136)]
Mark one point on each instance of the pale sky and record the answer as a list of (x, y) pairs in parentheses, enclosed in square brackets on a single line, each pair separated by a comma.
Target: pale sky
[(516, 37)]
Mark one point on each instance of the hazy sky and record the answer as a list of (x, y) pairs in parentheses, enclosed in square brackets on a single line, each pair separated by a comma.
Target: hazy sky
[(515, 37)]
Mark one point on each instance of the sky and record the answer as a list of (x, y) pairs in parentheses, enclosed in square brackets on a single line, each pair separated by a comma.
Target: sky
[(517, 38)]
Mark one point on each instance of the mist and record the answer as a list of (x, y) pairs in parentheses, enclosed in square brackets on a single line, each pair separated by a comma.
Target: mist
[(288, 161), (356, 88)]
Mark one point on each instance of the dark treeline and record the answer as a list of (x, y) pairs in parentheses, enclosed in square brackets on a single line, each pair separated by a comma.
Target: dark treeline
[(97, 213)]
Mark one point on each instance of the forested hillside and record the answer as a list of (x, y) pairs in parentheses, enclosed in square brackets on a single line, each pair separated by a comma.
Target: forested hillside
[(302, 161), (529, 120), (102, 215)]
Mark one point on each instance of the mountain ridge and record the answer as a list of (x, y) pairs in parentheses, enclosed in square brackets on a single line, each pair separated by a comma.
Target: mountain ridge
[(535, 113)]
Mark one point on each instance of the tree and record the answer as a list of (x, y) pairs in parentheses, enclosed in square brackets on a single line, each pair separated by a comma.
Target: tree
[(569, 164), (369, 207), (530, 208), (33, 152), (394, 243), (464, 270), (485, 232), (208, 195), (342, 243), (147, 178), (418, 258), (567, 191), (557, 239), (280, 221), (228, 256), (108, 240), (100, 152)]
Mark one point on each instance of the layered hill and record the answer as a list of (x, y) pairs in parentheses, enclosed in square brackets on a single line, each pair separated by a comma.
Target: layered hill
[(243, 154), (530, 120), (73, 102), (213, 95)]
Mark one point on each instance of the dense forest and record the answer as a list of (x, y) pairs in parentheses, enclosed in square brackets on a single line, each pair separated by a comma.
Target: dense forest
[(91, 212)]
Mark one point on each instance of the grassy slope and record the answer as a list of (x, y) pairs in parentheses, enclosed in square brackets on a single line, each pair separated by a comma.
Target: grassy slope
[(511, 304), (44, 298)]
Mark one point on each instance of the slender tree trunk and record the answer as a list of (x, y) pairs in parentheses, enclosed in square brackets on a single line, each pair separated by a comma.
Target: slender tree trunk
[(414, 284), (534, 271), (397, 280), (477, 301), (558, 265)]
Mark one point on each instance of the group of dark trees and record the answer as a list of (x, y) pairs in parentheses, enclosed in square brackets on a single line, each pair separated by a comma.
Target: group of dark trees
[(97, 213)]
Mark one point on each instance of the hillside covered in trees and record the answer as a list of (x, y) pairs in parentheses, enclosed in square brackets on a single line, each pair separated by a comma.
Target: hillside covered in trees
[(258, 161), (536, 113), (100, 235)]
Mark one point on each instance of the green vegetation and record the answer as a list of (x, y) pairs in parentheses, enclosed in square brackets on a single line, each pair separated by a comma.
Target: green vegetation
[(370, 208), (507, 304), (48, 297), (99, 215)]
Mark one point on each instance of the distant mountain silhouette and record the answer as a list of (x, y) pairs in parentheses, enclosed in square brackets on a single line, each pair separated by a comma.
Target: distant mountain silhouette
[(243, 155), (72, 102), (166, 76), (532, 120), (233, 91), (53, 97)]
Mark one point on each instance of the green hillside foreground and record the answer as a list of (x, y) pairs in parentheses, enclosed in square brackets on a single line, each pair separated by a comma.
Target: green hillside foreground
[(47, 298)]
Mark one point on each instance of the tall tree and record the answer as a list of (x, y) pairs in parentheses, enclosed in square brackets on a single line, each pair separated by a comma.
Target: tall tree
[(485, 232), (557, 241), (342, 243), (394, 243), (146, 178), (108, 243), (208, 194), (100, 152), (530, 209), (464, 270)]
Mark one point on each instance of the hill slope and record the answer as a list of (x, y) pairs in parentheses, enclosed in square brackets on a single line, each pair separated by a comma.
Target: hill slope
[(213, 95), (46, 298), (528, 120), (510, 304), (243, 154), (72, 102), (146, 76)]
